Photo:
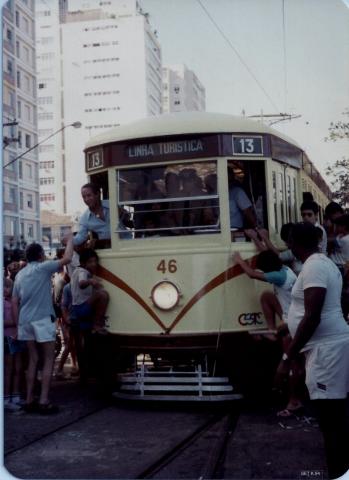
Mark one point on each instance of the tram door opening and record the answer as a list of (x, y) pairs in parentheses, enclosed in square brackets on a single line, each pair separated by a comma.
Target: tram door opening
[(247, 196)]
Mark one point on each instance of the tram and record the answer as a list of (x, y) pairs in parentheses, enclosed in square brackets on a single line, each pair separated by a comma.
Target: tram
[(175, 292)]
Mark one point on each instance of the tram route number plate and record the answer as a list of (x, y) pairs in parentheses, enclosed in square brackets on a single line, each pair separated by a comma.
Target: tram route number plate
[(94, 160), (251, 145)]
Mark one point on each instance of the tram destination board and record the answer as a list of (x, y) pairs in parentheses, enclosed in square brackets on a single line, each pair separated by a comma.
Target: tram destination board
[(247, 145)]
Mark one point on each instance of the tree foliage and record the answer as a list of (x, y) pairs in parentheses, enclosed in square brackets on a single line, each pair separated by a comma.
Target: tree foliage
[(339, 171)]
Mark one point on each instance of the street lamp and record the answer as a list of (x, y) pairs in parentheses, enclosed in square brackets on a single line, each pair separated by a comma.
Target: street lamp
[(75, 125)]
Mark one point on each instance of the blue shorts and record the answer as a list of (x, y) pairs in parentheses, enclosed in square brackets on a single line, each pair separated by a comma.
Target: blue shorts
[(82, 316)]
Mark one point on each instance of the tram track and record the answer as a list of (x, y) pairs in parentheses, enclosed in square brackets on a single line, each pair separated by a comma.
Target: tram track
[(218, 429)]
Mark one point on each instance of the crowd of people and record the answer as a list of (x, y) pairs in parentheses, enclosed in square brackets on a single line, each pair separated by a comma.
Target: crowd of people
[(311, 298)]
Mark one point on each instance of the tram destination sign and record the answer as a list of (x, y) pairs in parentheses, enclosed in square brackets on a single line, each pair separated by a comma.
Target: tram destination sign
[(247, 145)]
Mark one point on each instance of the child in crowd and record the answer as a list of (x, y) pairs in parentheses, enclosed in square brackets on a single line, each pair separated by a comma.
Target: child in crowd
[(69, 344), (310, 214), (270, 269), (89, 299), (12, 353)]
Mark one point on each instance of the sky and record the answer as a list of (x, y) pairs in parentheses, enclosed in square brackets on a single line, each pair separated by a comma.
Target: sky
[(265, 55)]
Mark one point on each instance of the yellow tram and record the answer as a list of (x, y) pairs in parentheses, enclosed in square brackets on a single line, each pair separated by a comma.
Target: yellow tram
[(173, 286)]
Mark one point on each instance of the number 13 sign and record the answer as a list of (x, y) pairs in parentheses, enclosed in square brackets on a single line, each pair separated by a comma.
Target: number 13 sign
[(247, 145)]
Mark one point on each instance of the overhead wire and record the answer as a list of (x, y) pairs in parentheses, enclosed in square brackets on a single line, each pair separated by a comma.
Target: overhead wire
[(285, 53), (238, 55)]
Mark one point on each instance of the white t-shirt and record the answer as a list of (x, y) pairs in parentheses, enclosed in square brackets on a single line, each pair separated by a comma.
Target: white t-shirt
[(319, 271), (80, 295)]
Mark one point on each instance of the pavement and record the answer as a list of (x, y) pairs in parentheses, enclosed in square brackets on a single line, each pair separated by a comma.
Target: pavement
[(97, 438)]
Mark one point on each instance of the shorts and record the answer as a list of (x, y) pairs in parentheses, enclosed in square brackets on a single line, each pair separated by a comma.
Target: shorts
[(13, 346), (82, 316), (43, 330), (327, 370)]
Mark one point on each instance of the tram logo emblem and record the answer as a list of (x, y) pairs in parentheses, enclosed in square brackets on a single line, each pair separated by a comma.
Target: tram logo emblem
[(248, 319)]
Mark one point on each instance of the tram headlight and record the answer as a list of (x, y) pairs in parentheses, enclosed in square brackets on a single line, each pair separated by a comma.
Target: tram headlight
[(165, 295)]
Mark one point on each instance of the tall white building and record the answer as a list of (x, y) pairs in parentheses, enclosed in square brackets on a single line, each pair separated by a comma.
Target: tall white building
[(21, 218), (105, 64), (182, 90)]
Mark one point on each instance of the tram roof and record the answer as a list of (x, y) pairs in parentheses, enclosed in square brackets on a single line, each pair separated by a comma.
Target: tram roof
[(183, 123)]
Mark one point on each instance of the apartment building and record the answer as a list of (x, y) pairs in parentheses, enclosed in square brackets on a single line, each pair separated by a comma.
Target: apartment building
[(21, 217), (108, 72), (182, 90)]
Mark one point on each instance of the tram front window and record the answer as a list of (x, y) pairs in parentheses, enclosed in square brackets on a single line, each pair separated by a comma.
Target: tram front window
[(169, 200), (247, 196)]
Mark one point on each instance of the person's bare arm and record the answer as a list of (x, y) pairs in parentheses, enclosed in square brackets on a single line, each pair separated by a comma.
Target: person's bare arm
[(250, 217), (251, 233), (15, 309), (247, 269), (314, 298), (264, 234), (68, 252)]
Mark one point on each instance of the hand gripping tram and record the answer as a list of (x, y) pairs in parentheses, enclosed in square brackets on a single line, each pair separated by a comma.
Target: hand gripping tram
[(180, 311)]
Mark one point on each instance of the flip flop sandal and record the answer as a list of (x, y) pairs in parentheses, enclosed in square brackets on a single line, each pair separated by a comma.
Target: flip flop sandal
[(47, 409), (289, 412)]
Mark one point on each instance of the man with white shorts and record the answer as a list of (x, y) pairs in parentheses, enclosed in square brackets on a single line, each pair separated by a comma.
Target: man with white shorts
[(318, 329), (33, 310)]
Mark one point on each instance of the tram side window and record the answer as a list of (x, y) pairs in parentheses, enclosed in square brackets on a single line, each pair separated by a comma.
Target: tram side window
[(180, 199), (99, 228), (247, 195)]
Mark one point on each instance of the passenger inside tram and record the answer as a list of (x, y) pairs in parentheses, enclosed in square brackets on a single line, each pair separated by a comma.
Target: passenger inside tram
[(171, 200), (247, 197)]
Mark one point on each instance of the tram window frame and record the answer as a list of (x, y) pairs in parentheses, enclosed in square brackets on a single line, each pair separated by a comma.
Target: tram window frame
[(250, 175), (201, 207)]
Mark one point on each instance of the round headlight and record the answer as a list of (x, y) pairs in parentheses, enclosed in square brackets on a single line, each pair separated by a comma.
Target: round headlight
[(165, 295)]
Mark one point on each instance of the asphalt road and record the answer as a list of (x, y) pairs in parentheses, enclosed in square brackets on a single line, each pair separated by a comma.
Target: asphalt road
[(94, 438)]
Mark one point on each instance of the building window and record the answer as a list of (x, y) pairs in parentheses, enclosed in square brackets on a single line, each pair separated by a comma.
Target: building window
[(47, 197), (177, 102), (27, 113), (30, 230), (13, 196), (176, 89), (29, 200), (20, 139), (21, 200), (9, 35), (26, 83), (26, 25), (20, 169), (45, 100), (19, 109), (26, 54), (18, 79), (46, 148), (47, 181), (47, 165), (27, 140), (45, 116), (29, 171), (17, 19), (9, 67), (18, 49)]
